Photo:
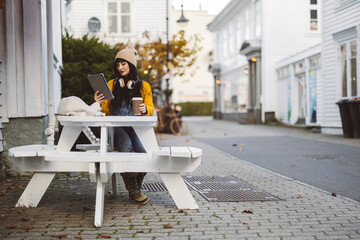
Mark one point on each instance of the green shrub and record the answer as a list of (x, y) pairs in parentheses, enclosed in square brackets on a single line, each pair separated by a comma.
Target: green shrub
[(82, 57), (196, 108)]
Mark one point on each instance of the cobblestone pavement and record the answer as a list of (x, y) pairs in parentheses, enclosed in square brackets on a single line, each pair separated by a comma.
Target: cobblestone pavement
[(67, 209)]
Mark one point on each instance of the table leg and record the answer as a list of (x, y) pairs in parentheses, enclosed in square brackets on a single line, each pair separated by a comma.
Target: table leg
[(68, 137), (114, 184), (99, 205), (35, 190), (178, 191)]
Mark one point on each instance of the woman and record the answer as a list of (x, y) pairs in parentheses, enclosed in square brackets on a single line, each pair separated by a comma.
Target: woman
[(124, 87)]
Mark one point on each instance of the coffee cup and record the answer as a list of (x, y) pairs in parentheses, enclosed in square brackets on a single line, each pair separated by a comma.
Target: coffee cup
[(136, 101)]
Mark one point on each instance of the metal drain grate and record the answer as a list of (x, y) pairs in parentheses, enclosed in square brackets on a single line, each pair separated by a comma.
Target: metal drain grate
[(154, 187), (226, 189)]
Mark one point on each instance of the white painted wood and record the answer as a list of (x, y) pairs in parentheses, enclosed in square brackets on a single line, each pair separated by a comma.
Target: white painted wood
[(68, 137), (99, 205), (106, 171), (92, 172), (180, 152), (108, 121), (94, 156), (103, 140), (147, 137), (179, 191), (195, 152), (38, 164), (29, 150), (162, 151), (35, 190)]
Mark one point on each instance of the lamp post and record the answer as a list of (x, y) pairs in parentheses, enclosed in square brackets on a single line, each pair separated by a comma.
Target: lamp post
[(182, 22)]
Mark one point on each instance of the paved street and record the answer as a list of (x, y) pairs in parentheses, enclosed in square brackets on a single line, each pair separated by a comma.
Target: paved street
[(303, 211), (331, 163)]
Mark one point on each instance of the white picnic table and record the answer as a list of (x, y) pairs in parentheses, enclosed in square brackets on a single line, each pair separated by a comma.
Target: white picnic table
[(46, 160)]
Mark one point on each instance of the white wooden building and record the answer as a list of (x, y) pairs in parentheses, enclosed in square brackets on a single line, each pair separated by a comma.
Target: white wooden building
[(198, 87), (251, 36), (114, 21), (30, 69), (340, 60)]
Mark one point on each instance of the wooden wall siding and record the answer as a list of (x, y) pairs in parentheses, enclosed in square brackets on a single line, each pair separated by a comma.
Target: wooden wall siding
[(146, 16), (285, 31), (334, 21)]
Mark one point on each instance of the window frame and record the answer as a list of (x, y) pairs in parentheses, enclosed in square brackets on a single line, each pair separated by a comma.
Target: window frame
[(119, 15), (314, 7), (348, 58)]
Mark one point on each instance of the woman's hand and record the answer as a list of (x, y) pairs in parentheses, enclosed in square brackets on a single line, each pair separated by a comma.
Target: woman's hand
[(142, 108), (98, 98)]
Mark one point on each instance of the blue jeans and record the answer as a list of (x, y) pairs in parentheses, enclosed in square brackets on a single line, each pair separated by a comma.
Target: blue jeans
[(126, 140)]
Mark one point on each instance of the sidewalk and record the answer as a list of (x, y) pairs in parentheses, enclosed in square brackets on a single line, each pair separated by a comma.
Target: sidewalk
[(67, 209)]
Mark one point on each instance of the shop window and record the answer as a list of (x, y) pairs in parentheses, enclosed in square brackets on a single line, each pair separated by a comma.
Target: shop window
[(118, 17), (348, 63)]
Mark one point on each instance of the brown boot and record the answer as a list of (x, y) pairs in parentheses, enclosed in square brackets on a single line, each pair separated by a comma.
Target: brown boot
[(130, 180)]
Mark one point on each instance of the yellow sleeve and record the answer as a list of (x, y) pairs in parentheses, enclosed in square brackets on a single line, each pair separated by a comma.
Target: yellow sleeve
[(105, 105), (148, 99)]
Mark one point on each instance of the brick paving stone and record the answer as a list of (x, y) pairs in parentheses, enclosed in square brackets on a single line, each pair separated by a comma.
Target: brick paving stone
[(68, 207)]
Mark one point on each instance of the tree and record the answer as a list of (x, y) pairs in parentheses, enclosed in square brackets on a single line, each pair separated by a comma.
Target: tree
[(82, 57), (152, 57)]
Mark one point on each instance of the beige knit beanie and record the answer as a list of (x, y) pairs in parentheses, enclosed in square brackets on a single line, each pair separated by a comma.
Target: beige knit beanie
[(129, 54)]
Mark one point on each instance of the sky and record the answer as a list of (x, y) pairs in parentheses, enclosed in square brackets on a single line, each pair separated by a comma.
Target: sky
[(212, 6)]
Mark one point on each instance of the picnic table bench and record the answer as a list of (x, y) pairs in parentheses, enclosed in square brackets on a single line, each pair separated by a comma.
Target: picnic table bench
[(47, 160)]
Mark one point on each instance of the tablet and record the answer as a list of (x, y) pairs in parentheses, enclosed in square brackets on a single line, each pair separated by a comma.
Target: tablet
[(98, 83)]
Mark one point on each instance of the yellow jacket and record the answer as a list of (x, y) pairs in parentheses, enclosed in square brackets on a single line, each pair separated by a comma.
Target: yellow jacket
[(146, 94)]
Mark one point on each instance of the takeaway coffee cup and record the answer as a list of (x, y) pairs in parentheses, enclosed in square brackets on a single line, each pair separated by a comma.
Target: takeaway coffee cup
[(136, 101)]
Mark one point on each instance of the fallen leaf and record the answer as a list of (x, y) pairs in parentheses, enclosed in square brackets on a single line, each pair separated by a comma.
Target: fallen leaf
[(167, 226), (234, 145), (248, 211), (59, 236), (292, 165), (241, 149), (299, 196), (186, 140), (18, 186), (127, 215), (211, 177), (334, 194), (105, 236), (245, 223), (10, 226), (146, 218), (180, 211), (78, 237), (27, 227), (242, 145), (31, 175), (203, 131)]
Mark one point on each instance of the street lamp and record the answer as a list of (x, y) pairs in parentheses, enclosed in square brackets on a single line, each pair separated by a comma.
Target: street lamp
[(182, 22)]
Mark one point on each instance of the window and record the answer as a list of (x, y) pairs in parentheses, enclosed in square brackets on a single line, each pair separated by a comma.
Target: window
[(118, 17), (348, 63), (314, 18)]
